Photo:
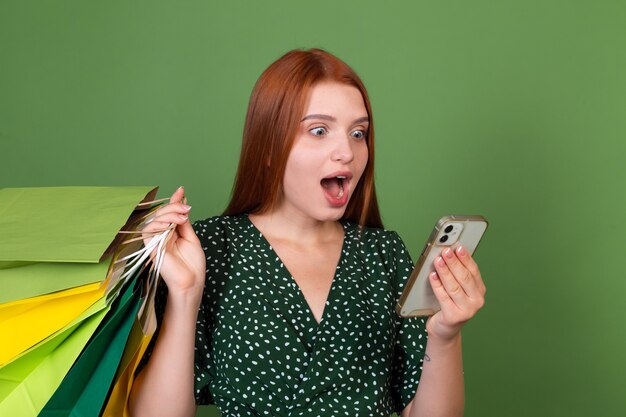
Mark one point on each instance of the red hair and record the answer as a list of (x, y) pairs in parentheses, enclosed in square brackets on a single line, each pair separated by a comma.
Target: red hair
[(277, 103)]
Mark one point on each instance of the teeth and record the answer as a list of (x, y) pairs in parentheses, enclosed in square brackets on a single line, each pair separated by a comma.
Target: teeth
[(340, 189)]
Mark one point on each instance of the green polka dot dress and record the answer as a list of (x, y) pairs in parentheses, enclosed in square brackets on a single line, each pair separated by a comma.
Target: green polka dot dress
[(259, 350)]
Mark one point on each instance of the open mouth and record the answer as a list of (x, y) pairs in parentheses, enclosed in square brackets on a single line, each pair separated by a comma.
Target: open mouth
[(334, 185)]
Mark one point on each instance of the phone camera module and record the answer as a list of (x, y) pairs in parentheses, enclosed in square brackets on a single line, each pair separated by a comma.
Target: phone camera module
[(443, 238), (448, 229)]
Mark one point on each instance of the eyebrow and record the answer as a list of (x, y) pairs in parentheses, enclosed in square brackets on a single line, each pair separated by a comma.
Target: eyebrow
[(333, 119)]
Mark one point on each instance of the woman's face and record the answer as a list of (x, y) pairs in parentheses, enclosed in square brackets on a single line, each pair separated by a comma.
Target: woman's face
[(329, 153)]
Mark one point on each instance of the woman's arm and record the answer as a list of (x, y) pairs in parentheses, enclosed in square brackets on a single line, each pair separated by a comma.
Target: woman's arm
[(460, 290), (441, 389), (165, 387)]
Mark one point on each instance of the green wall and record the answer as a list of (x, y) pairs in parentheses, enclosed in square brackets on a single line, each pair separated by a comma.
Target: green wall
[(515, 110)]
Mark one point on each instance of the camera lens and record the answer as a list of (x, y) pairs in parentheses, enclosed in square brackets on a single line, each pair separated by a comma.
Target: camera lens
[(443, 238), (449, 229)]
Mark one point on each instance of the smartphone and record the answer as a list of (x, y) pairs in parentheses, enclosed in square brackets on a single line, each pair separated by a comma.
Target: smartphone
[(418, 298)]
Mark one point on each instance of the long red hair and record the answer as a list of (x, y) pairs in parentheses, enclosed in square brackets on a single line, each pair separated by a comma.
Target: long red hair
[(276, 106)]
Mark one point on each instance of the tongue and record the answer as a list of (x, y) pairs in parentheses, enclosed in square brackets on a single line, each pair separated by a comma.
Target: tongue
[(333, 186)]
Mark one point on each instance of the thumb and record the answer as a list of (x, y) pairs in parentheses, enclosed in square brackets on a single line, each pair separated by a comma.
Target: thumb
[(186, 232)]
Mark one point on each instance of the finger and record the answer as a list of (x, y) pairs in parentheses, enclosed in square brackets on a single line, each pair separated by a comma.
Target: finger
[(178, 195), (178, 204), (186, 231), (445, 301), (161, 224), (169, 218), (179, 208), (466, 259), (450, 283), (462, 274)]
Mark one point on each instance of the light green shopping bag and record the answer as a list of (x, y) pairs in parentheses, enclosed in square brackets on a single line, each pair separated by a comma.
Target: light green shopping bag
[(31, 395), (27, 280), (56, 238), (12, 374), (65, 224)]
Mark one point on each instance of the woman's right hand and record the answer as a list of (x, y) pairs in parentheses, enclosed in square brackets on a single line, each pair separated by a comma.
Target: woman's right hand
[(165, 386), (183, 267)]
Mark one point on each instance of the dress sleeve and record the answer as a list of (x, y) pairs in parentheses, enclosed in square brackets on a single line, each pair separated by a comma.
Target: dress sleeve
[(410, 343), (204, 370)]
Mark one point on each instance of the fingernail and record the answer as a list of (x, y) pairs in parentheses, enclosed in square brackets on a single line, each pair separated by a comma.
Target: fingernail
[(439, 261), (448, 253), (433, 275), (186, 207), (183, 217), (180, 188), (461, 251)]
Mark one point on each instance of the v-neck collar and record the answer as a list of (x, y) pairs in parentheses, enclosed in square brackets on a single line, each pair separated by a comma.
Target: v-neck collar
[(262, 240)]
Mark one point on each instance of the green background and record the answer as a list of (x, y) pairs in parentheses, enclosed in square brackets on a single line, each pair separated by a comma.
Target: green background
[(513, 110)]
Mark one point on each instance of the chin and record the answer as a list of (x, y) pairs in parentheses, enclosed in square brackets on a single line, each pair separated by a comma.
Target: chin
[(332, 214)]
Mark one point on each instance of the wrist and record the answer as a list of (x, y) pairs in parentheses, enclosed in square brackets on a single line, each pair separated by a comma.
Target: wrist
[(444, 342), (187, 299)]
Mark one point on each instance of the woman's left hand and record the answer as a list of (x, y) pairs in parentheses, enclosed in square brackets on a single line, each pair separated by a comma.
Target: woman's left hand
[(460, 290)]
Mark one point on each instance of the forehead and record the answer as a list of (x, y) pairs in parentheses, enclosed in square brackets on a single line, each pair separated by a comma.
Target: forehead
[(335, 99)]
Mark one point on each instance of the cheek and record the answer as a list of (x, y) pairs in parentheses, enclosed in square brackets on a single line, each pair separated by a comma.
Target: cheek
[(361, 156), (297, 171), (305, 160)]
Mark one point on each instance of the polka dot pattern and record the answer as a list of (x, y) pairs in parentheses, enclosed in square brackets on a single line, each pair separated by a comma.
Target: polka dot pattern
[(259, 350)]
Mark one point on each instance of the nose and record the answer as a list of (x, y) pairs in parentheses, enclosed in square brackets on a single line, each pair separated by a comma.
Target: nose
[(342, 151)]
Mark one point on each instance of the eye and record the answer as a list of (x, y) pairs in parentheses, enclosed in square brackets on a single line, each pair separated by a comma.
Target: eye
[(358, 134), (318, 131)]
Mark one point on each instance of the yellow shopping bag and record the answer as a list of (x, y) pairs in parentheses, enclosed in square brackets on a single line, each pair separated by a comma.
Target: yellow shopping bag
[(30, 321)]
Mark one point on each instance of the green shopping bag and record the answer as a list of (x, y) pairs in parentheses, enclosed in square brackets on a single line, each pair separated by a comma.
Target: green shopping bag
[(84, 389)]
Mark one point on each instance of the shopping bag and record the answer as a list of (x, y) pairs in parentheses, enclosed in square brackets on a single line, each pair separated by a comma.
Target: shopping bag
[(13, 373), (65, 224), (84, 389), (117, 404), (28, 398), (139, 339), (20, 280), (30, 321), (52, 276), (96, 216)]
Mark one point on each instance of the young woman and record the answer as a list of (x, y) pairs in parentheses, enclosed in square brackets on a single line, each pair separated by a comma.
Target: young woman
[(284, 305)]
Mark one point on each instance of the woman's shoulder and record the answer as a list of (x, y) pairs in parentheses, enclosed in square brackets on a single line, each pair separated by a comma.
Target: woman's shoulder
[(223, 232), (375, 236), (211, 225), (221, 236), (384, 243), (383, 250)]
